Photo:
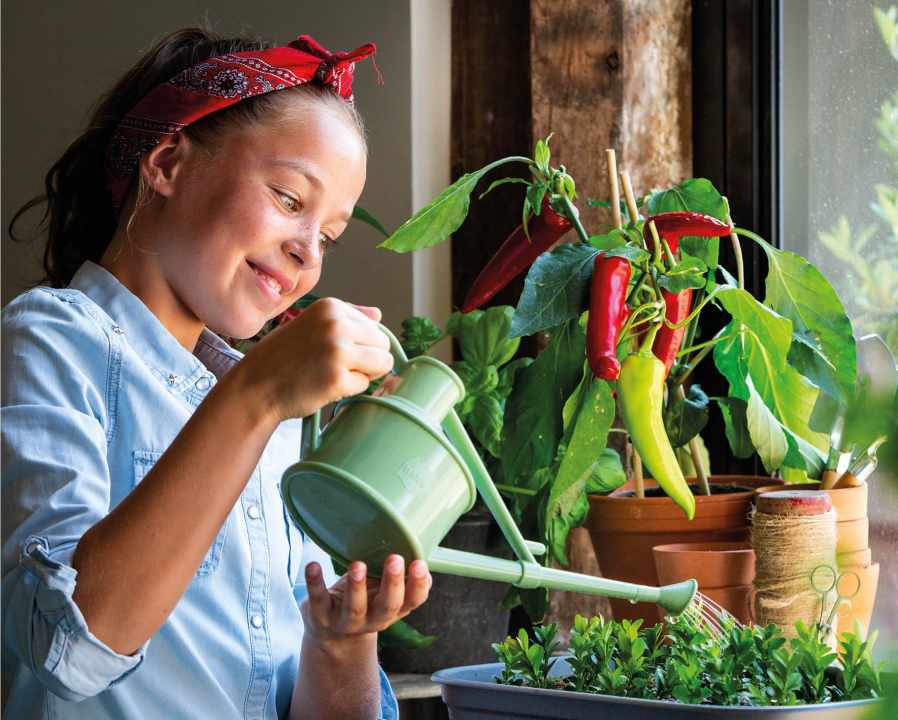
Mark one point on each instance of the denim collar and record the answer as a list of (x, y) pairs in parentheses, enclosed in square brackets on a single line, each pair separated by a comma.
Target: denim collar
[(178, 368)]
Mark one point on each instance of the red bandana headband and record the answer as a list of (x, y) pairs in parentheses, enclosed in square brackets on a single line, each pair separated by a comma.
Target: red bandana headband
[(216, 84)]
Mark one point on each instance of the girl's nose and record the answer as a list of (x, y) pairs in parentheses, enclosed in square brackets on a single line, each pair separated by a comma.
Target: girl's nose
[(306, 248)]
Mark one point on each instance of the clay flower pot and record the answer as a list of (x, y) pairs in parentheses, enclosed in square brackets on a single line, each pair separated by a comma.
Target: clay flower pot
[(724, 572), (624, 530), (861, 605)]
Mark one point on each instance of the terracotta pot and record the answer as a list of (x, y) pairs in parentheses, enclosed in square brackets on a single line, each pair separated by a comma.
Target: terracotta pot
[(852, 535), (861, 608), (859, 557), (624, 530), (711, 565), (724, 572)]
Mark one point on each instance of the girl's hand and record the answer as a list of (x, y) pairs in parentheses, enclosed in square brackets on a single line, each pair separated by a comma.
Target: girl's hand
[(330, 351), (357, 606)]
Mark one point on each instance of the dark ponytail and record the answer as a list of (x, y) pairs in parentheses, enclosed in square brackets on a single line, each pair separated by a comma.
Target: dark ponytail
[(79, 217)]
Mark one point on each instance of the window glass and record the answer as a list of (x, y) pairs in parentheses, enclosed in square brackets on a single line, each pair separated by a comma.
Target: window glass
[(840, 199)]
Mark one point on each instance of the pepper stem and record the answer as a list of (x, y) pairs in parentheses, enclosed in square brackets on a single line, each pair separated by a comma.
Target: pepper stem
[(572, 216)]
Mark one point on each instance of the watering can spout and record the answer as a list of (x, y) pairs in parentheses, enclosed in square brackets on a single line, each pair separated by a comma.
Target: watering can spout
[(673, 599)]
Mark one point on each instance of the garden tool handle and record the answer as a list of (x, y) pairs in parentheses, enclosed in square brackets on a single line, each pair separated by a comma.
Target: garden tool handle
[(313, 422), (829, 479)]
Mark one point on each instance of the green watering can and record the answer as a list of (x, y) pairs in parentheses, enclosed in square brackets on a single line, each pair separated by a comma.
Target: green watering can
[(393, 472)]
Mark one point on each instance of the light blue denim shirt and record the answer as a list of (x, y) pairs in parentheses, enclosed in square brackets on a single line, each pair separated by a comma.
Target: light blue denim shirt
[(94, 390)]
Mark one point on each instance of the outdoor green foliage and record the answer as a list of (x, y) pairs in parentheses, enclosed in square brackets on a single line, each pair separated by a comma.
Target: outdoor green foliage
[(739, 666), (870, 285)]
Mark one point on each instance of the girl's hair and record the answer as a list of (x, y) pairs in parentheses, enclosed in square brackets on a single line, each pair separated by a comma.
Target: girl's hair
[(79, 216)]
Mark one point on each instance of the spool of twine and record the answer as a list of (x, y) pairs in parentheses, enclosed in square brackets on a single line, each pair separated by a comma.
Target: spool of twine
[(793, 532)]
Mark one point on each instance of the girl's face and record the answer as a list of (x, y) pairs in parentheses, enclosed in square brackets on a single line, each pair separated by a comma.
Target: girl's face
[(240, 236)]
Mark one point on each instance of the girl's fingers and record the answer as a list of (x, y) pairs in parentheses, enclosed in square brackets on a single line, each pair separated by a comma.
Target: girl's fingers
[(390, 599), (355, 601), (372, 313), (417, 586), (320, 601)]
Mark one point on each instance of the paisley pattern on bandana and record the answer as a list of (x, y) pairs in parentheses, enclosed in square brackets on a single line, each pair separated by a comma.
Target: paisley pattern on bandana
[(215, 84)]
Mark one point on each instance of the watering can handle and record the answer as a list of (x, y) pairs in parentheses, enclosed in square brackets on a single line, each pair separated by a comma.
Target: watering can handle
[(311, 426)]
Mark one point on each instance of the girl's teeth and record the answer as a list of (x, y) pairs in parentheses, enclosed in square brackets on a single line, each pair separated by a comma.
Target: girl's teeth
[(270, 280)]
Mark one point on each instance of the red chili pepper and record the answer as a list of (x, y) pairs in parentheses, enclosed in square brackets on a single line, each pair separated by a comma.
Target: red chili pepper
[(667, 341), (674, 225), (607, 313), (516, 254)]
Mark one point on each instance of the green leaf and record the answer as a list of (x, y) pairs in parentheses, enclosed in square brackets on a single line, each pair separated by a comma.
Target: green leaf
[(402, 635), (613, 239), (559, 527), (688, 273), (556, 289), (773, 331), (609, 474), (533, 412), (535, 194), (366, 217), (630, 252), (418, 334), (798, 291), (483, 335), (542, 155), (589, 439), (686, 418), (766, 432), (694, 195), (736, 425), (485, 421), (503, 181), (441, 217)]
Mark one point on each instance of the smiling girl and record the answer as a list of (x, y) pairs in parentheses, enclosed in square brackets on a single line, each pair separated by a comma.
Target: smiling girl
[(149, 567)]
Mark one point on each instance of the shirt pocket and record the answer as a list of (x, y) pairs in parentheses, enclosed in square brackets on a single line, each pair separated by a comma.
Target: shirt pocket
[(295, 538), (143, 463)]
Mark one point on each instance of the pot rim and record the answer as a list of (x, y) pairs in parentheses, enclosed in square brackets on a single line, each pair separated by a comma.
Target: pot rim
[(712, 479), (703, 548), (450, 677)]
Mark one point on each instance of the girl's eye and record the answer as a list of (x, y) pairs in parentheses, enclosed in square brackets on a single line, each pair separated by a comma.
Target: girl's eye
[(326, 241), (290, 203)]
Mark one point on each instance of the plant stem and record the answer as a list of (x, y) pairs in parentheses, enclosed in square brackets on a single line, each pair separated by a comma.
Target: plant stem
[(615, 190), (716, 340), (632, 319), (737, 249), (637, 287), (572, 216), (512, 489), (700, 474), (709, 346), (668, 253)]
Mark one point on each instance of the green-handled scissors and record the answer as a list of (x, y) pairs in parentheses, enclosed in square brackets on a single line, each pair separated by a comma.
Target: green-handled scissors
[(825, 579)]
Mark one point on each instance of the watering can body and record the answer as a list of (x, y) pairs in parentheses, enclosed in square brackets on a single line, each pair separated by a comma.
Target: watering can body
[(393, 472)]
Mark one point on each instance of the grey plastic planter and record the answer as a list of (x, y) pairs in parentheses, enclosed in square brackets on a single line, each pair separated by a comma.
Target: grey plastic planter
[(471, 694)]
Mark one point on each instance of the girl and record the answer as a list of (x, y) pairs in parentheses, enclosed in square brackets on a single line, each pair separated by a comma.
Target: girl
[(150, 569)]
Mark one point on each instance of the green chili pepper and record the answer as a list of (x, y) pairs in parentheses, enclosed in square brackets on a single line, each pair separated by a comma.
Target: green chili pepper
[(640, 395)]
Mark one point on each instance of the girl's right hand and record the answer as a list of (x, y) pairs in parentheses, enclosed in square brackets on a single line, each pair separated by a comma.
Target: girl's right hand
[(331, 351)]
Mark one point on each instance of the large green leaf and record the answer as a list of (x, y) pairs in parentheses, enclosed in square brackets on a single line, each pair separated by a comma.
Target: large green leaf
[(485, 421), (402, 635), (798, 291), (772, 331), (686, 418), (736, 425), (589, 438), (609, 474), (694, 195), (364, 216), (441, 217), (533, 412), (483, 335), (556, 289), (766, 432)]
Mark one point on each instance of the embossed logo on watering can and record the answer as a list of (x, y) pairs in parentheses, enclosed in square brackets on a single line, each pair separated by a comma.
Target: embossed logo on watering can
[(415, 476)]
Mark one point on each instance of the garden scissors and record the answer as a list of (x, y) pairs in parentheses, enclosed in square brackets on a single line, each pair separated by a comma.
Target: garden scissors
[(825, 579)]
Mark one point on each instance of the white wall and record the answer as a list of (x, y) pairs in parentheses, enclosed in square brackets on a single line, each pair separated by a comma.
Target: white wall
[(59, 55)]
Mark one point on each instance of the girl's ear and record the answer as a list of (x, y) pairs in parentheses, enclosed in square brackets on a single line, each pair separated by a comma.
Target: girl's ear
[(161, 165)]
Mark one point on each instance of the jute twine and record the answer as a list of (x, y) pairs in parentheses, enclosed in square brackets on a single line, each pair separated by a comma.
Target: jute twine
[(787, 549)]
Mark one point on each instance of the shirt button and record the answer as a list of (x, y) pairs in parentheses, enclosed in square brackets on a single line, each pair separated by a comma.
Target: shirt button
[(32, 547), (203, 383), (256, 620), (253, 511)]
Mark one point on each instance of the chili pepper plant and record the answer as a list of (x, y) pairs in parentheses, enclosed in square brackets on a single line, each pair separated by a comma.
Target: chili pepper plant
[(621, 307)]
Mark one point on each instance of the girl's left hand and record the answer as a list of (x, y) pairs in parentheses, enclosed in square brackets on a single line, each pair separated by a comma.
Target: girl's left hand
[(356, 605)]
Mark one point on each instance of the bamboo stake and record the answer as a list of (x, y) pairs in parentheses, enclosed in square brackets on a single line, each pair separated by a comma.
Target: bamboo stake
[(637, 474), (628, 194), (701, 474), (615, 189)]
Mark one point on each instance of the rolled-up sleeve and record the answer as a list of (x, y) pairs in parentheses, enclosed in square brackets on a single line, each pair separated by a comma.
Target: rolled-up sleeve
[(56, 419)]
